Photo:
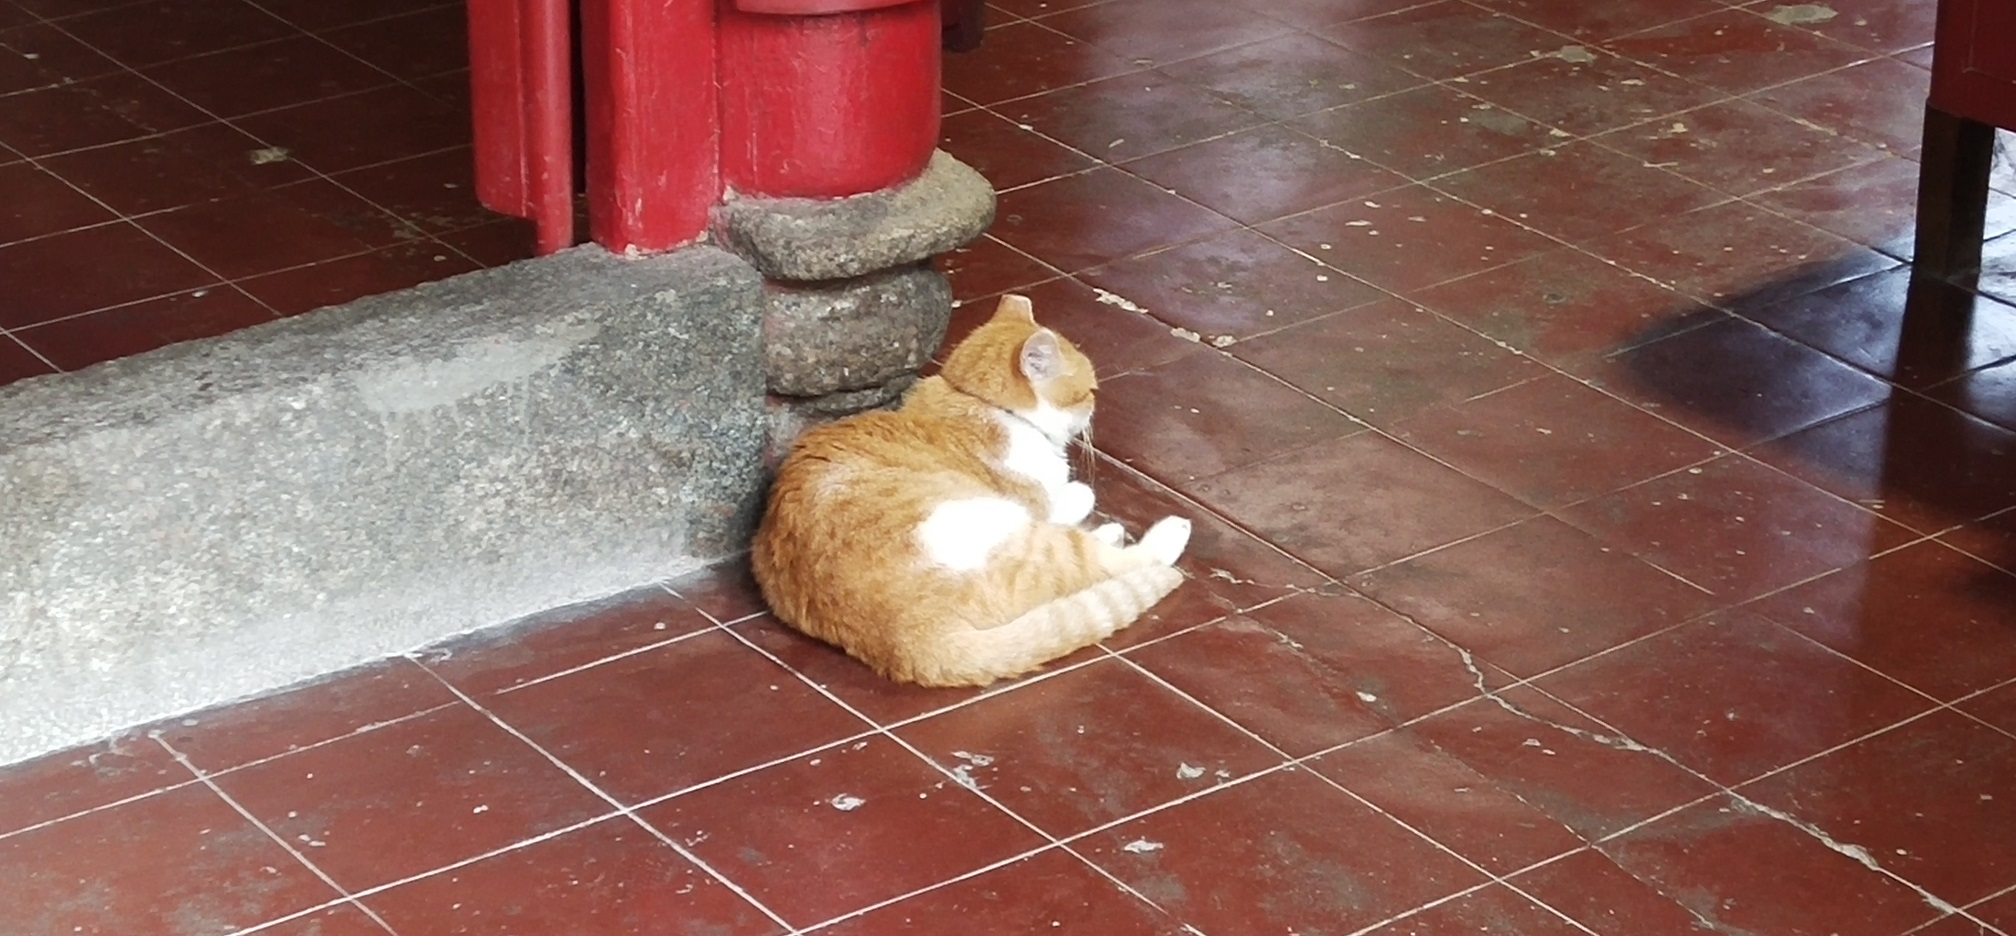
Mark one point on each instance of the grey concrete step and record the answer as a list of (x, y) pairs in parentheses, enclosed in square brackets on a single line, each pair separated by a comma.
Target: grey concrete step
[(220, 518)]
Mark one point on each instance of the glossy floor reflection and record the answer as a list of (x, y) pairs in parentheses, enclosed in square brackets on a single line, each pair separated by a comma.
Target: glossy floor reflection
[(1598, 529), (176, 169)]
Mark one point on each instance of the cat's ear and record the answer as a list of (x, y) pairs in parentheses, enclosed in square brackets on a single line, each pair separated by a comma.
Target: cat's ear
[(1042, 359), (1015, 308)]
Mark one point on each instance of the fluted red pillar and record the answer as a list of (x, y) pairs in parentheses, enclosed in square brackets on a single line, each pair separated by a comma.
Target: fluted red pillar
[(522, 94), (653, 121), (690, 100)]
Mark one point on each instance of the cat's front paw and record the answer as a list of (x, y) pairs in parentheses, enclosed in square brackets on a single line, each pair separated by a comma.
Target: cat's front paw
[(1071, 504), (1166, 539), (1112, 534)]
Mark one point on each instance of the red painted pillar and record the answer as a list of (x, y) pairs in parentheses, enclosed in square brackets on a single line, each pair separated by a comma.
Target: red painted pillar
[(653, 121), (827, 98), (547, 50), (522, 91), (497, 99), (689, 98)]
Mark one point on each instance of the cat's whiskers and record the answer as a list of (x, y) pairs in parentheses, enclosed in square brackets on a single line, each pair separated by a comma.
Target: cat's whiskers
[(1086, 456)]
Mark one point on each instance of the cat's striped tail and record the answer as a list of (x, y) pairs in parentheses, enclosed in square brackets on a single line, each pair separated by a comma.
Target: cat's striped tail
[(978, 656)]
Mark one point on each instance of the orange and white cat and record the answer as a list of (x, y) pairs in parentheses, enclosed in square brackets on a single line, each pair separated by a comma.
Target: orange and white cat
[(941, 543)]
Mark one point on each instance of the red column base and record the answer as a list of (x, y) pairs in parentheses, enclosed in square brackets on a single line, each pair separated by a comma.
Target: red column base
[(687, 99)]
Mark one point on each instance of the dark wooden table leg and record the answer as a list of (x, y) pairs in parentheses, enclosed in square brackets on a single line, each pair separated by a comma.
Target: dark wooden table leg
[(1952, 194)]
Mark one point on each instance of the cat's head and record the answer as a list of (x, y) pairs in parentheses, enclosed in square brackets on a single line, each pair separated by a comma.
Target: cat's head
[(1027, 369)]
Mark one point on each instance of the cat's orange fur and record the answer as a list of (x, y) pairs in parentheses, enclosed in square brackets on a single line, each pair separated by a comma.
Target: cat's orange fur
[(939, 543)]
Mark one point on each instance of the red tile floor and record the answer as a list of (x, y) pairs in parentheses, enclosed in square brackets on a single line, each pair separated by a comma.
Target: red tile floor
[(174, 169), (1584, 543)]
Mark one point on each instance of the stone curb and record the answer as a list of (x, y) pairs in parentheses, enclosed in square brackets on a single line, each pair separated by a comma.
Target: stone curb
[(219, 518), (809, 240)]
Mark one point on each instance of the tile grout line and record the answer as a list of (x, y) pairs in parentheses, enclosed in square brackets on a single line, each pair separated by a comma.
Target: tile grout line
[(2005, 892), (218, 279), (8, 337), (230, 122), (1695, 468), (1574, 924), (1752, 452), (1591, 138), (885, 732), (1305, 762), (1546, 365), (1449, 84), (1246, 612), (2004, 565), (123, 4), (1071, 848), (235, 283), (1718, 303), (1437, 903), (1938, 706), (401, 221), (1483, 694), (1743, 606), (199, 774), (285, 845), (1288, 762), (1623, 742), (614, 657), (375, 889), (1619, 740), (621, 809), (300, 32), (1265, 120), (874, 726), (325, 742), (955, 778), (133, 218), (45, 823), (967, 876), (31, 161), (1110, 652), (1723, 450), (324, 40), (1715, 611), (879, 730), (1982, 928), (740, 772), (1186, 499), (225, 123)]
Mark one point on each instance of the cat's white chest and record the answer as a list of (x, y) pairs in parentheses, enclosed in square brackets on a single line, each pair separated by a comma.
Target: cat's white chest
[(1032, 455)]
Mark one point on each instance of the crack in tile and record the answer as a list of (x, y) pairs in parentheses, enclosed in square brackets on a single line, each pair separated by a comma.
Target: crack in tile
[(1860, 854), (209, 781), (1329, 589), (1857, 853)]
